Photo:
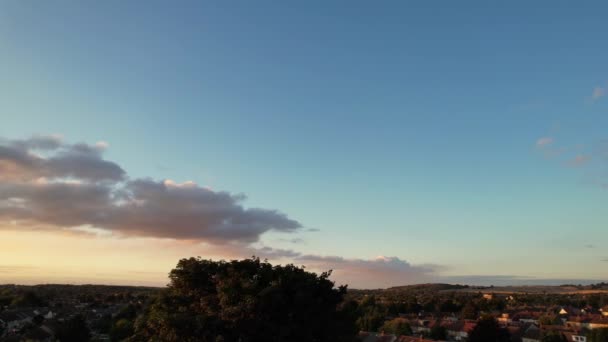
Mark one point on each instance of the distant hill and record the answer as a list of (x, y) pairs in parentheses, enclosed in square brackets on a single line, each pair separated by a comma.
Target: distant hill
[(541, 289), (532, 289), (430, 287)]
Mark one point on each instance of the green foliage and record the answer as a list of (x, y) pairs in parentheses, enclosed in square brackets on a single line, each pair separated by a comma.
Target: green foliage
[(488, 330), (397, 326), (469, 311), (246, 300), (74, 330), (371, 315), (27, 299), (5, 300), (128, 312), (121, 329)]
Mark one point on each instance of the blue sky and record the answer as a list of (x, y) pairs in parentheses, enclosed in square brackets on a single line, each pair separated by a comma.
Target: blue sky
[(406, 129)]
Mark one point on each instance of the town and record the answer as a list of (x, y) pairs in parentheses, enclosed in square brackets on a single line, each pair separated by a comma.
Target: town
[(422, 313), (69, 313), (575, 314)]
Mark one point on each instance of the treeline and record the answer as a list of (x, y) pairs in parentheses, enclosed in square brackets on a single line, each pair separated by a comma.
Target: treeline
[(19, 296)]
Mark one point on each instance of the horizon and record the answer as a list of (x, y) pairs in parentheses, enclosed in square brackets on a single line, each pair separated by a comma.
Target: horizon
[(395, 145)]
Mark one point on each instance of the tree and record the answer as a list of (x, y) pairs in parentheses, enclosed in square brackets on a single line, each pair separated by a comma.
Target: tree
[(38, 320), (488, 330), (74, 330), (245, 300), (553, 336), (370, 319), (397, 326), (550, 320), (449, 306), (469, 311), (122, 329), (27, 299), (438, 333), (598, 335)]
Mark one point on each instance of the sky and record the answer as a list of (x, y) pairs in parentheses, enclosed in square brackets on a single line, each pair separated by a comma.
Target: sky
[(393, 142)]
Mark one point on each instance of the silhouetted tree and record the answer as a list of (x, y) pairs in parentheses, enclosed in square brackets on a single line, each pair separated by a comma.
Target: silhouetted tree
[(488, 330), (121, 329), (469, 311), (38, 319), (245, 300), (598, 335), (74, 330), (28, 298), (553, 336), (438, 333)]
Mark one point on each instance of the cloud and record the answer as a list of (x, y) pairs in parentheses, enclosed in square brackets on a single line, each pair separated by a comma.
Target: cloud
[(598, 92), (544, 142), (273, 253), (45, 183), (579, 160), (545, 145), (381, 271), (294, 240), (48, 157), (600, 150), (102, 145), (594, 156), (187, 211)]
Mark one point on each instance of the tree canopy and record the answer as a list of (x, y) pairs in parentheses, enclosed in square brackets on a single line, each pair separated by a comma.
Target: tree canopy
[(598, 335), (488, 330), (246, 300), (74, 330)]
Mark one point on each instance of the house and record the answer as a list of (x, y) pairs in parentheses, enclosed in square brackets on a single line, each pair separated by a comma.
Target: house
[(504, 319), (574, 337), (14, 320), (38, 334), (412, 339), (459, 330), (588, 322), (421, 326), (532, 334), (570, 335), (366, 336), (515, 331)]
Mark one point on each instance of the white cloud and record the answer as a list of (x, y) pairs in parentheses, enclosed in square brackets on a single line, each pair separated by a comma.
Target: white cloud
[(102, 145), (598, 92), (544, 142)]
